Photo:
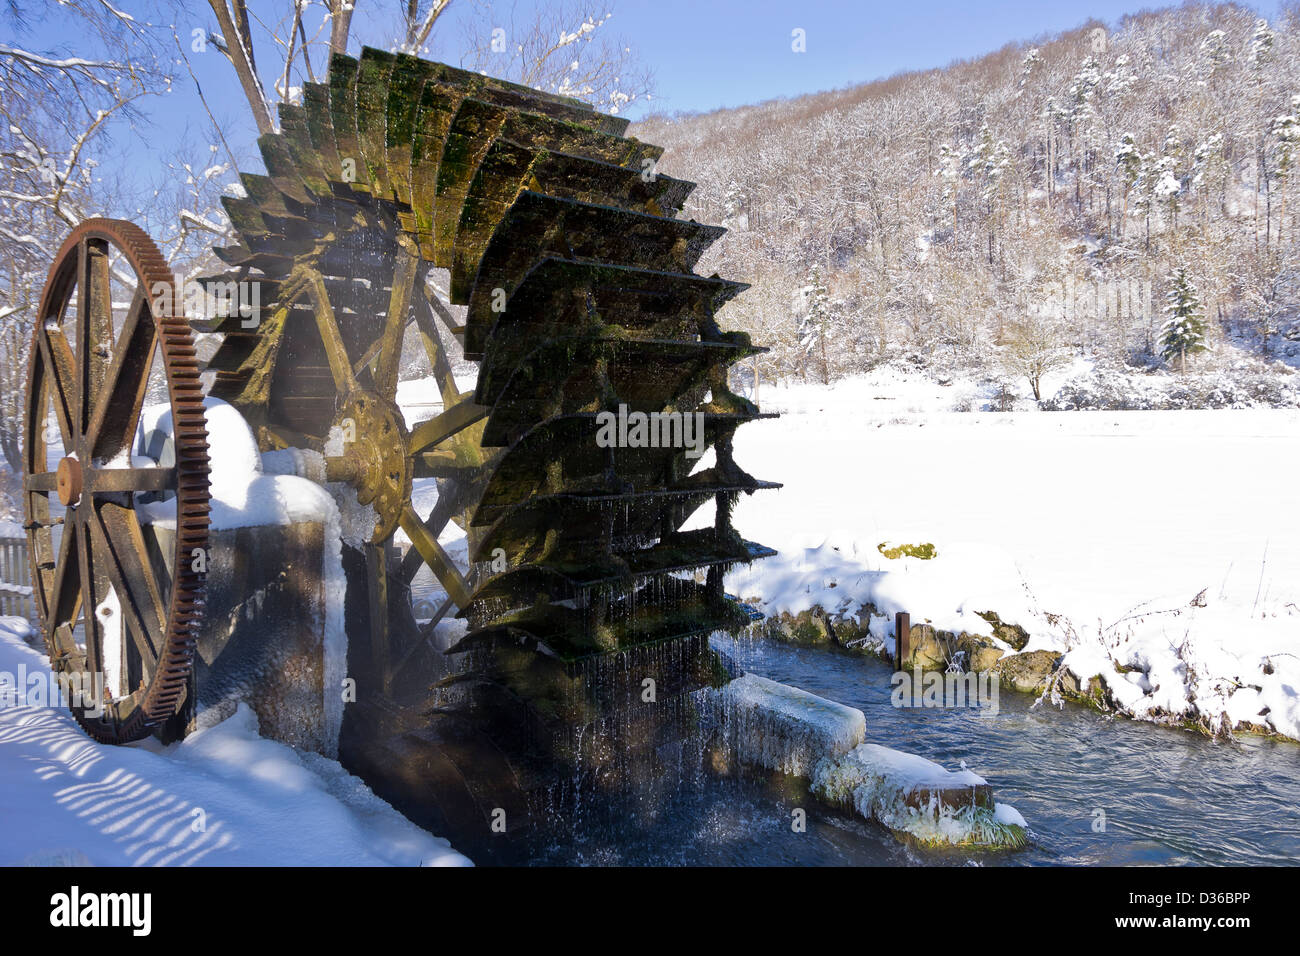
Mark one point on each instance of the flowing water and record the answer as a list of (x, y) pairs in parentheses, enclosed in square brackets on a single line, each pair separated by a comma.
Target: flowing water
[(1168, 796)]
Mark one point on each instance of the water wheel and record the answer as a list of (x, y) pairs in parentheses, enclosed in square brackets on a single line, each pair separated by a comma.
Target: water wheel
[(559, 240), (118, 620)]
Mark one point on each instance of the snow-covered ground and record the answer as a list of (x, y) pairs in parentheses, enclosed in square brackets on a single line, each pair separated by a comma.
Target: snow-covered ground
[(1096, 531), (223, 797)]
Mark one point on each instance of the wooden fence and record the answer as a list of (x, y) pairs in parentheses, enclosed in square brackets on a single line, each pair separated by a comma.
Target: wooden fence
[(15, 580)]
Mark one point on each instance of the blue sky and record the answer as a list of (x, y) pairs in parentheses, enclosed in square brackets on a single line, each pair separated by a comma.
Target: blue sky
[(711, 53), (705, 53)]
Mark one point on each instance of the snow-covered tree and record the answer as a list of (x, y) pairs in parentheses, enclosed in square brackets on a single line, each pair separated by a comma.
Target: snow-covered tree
[(1286, 133), (814, 324), (950, 173), (1183, 333), (1261, 44), (1214, 54), (1129, 161)]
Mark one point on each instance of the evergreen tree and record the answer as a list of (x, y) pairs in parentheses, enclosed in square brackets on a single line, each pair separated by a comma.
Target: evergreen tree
[(1183, 333), (1128, 158), (814, 321), (1286, 129)]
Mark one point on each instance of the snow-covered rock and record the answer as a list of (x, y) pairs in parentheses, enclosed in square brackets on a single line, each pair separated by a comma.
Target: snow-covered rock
[(913, 795)]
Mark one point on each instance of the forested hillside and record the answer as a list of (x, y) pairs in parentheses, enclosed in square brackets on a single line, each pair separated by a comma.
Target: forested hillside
[(1006, 215)]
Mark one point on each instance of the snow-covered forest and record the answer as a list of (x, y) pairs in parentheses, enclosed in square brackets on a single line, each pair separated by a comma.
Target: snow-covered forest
[(1005, 217)]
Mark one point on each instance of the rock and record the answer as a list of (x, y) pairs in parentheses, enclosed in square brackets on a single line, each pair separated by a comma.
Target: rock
[(916, 797), (1092, 692), (928, 648), (1012, 634), (1027, 673), (981, 653), (931, 649), (815, 626)]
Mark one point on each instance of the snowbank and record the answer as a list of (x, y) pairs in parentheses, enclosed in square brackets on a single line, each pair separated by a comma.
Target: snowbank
[(1126, 541), (222, 797)]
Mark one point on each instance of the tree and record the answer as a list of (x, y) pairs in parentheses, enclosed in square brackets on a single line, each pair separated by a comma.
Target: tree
[(562, 47), (1035, 345), (990, 162), (56, 112), (950, 172), (814, 323), (1128, 158), (1168, 186), (1286, 131), (1183, 333)]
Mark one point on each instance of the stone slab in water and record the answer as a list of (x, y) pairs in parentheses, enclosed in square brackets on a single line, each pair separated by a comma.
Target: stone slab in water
[(917, 797), (783, 728)]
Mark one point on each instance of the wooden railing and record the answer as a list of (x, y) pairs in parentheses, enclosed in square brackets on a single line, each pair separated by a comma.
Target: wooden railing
[(15, 580)]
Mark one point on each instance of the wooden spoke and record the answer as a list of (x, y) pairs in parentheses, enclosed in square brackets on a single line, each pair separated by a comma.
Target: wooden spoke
[(452, 498), (117, 406), (438, 429), (368, 357), (109, 480), (61, 371), (91, 596), (120, 541), (435, 557), (327, 324), (94, 322), (433, 347), (65, 589), (399, 306)]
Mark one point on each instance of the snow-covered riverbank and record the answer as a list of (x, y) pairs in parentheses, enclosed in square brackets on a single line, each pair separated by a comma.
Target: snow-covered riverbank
[(1157, 550)]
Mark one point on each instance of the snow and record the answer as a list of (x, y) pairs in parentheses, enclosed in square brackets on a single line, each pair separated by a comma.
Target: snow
[(1095, 531), (222, 797)]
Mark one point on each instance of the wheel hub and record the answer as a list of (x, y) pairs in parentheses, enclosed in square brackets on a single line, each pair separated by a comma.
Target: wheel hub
[(368, 449), (68, 481)]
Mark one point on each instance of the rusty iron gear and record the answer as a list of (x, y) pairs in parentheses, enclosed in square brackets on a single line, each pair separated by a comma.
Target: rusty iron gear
[(96, 386)]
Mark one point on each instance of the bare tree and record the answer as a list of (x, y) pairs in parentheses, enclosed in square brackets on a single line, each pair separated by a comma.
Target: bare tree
[(1035, 345), (564, 47), (418, 21), (58, 108)]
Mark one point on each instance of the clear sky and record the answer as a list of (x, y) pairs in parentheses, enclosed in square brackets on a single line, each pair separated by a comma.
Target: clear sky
[(711, 53), (704, 53)]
